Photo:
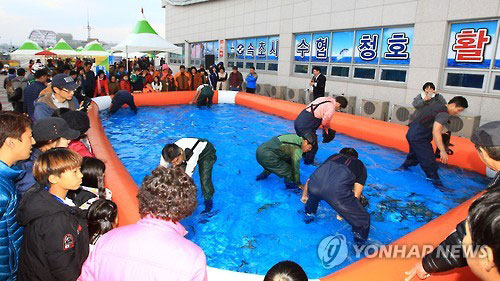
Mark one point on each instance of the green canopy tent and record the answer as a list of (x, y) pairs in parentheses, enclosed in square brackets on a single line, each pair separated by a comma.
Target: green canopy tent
[(94, 49), (26, 52), (63, 49)]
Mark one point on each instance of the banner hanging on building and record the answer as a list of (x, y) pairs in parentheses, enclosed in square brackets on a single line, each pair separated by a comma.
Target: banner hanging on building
[(250, 49), (367, 46), (396, 45), (240, 49), (472, 44), (342, 46), (302, 47), (321, 47), (231, 49), (261, 48), (272, 48)]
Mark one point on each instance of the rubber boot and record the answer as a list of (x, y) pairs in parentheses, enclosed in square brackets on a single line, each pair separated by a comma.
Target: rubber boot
[(291, 185), (263, 175), (208, 206)]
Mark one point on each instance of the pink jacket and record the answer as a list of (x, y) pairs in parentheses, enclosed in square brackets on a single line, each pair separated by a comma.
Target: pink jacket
[(151, 249), (324, 111)]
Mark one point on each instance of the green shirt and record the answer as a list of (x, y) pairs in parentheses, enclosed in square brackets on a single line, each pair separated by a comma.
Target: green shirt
[(291, 145)]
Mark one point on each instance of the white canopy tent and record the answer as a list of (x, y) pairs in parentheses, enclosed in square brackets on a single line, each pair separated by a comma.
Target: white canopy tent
[(130, 55), (94, 49), (145, 39), (26, 52), (63, 49)]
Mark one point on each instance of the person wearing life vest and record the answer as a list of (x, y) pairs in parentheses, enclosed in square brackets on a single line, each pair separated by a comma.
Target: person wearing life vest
[(281, 156), (339, 181), (318, 113), (189, 153), (427, 125), (204, 96)]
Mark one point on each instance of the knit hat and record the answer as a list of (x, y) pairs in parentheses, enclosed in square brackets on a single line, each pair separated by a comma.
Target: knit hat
[(77, 120)]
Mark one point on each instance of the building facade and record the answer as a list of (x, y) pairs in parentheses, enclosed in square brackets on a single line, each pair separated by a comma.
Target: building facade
[(371, 49)]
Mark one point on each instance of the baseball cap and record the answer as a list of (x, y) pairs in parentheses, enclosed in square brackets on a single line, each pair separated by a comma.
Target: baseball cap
[(64, 81), (487, 135), (52, 128)]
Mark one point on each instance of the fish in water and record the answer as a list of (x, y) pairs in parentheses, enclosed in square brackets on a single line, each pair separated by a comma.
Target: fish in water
[(399, 211), (243, 264), (267, 206), (249, 243)]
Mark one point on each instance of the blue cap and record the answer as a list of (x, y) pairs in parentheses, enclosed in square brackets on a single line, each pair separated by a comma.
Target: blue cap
[(64, 81)]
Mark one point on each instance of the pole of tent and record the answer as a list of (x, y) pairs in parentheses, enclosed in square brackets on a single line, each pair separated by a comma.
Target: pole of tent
[(126, 57)]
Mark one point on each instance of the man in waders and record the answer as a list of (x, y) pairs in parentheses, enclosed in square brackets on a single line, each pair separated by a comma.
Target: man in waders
[(340, 181), (204, 96), (319, 112), (427, 125), (189, 152), (282, 154)]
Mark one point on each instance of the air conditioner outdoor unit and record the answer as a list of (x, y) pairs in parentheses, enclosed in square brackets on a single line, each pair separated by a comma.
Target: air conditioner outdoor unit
[(277, 92), (375, 109), (306, 97), (262, 89), (464, 126), (401, 114), (294, 95)]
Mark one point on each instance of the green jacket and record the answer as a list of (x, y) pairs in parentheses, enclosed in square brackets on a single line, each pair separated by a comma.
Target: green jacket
[(291, 145)]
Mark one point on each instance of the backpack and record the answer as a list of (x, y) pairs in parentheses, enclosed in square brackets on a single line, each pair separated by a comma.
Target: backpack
[(9, 87), (17, 90)]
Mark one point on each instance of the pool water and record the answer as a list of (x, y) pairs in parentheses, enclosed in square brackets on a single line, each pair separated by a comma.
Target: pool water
[(257, 224)]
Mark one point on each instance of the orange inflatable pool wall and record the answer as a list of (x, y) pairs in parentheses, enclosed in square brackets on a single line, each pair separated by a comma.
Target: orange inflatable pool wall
[(386, 134)]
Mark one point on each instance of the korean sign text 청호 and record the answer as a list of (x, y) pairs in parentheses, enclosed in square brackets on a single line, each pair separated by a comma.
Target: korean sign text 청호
[(373, 46)]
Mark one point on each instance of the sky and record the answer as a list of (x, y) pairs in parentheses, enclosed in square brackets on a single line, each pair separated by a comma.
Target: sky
[(111, 20)]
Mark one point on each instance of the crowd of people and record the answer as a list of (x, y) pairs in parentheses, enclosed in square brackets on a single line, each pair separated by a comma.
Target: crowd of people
[(139, 76), (59, 221)]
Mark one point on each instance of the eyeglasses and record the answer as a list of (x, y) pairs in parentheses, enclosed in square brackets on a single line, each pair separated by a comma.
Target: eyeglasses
[(66, 90)]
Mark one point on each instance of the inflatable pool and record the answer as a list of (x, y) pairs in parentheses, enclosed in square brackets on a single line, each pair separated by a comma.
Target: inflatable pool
[(376, 269)]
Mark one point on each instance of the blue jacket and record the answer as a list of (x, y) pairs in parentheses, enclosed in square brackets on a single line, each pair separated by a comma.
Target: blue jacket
[(26, 178), (31, 93), (11, 234), (44, 107), (252, 81)]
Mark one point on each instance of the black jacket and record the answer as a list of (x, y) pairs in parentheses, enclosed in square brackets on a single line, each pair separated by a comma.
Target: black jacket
[(88, 84), (56, 239), (319, 90), (442, 259)]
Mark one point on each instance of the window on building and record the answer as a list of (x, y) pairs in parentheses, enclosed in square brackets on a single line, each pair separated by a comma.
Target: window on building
[(199, 51), (364, 51), (473, 58), (466, 80), (177, 58), (496, 84), (339, 71), (364, 73), (258, 52)]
